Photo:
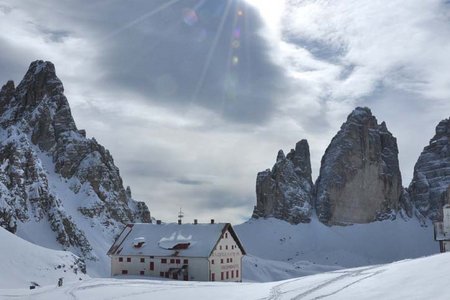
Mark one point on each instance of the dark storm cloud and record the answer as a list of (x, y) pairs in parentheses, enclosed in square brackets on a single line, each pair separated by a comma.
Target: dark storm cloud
[(204, 53), (178, 54)]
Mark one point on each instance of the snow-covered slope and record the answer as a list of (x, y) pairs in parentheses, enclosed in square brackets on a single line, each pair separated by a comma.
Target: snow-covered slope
[(424, 278), (22, 263), (344, 246)]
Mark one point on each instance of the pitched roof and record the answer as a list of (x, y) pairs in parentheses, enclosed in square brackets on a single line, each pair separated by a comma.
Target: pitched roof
[(190, 240)]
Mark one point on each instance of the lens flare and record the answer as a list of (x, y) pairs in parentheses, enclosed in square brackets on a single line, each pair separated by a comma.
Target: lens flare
[(190, 16)]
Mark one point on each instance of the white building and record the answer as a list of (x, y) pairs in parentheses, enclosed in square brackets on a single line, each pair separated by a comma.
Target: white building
[(442, 230), (200, 252)]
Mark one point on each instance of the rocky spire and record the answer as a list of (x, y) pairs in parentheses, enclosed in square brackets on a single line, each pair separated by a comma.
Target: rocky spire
[(37, 113), (359, 179), (285, 192), (431, 180)]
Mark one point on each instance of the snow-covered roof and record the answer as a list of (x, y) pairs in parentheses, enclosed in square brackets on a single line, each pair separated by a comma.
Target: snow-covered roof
[(189, 240)]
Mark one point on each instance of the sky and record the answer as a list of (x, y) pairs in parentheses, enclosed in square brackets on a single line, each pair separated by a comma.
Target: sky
[(194, 97)]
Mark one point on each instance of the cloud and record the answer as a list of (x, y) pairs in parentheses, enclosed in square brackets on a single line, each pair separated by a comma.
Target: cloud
[(191, 115)]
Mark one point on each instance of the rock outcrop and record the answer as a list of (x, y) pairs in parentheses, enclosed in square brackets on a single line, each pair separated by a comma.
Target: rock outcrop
[(359, 180), (51, 173), (285, 192), (430, 187)]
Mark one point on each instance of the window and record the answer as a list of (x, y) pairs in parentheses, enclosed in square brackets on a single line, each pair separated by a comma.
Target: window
[(232, 273), (220, 247), (163, 261), (221, 275), (166, 274), (213, 276), (120, 259), (161, 274), (128, 259), (152, 266), (178, 261), (226, 247), (228, 260), (221, 260), (172, 260), (141, 272), (237, 273), (228, 275), (212, 261), (142, 259), (175, 276), (152, 257), (185, 261), (124, 272), (232, 247), (231, 259), (226, 235)]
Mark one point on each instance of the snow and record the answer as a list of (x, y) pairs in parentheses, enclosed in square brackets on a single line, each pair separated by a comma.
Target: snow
[(339, 246), (423, 278), (22, 262), (160, 238)]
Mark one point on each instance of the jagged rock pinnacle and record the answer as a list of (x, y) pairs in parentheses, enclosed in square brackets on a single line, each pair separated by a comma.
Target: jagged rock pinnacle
[(285, 192), (431, 181), (359, 179)]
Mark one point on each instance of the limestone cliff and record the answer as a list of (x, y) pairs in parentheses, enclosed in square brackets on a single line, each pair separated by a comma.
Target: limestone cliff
[(285, 192), (431, 181), (359, 179)]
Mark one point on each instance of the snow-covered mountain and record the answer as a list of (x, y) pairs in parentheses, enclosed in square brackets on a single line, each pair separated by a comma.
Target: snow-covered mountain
[(58, 188)]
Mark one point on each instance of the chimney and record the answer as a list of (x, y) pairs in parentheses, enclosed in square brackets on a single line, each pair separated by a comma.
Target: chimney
[(212, 221), (195, 222), (179, 222), (158, 222)]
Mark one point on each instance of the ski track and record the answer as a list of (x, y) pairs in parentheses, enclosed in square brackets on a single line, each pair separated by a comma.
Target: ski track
[(337, 279)]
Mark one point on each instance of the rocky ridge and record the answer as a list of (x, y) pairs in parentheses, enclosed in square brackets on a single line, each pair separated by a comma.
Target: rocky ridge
[(360, 179), (51, 173), (285, 192), (430, 187)]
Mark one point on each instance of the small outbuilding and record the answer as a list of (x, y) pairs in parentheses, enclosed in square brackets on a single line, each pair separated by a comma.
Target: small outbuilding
[(442, 230), (200, 252)]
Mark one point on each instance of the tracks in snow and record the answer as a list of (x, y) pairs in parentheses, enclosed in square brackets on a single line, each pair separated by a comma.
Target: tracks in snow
[(277, 292)]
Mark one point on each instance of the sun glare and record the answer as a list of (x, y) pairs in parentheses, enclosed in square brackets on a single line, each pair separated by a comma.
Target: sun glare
[(270, 10)]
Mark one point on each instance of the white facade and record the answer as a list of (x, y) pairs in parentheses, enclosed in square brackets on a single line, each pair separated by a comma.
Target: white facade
[(201, 252), (165, 267), (226, 260)]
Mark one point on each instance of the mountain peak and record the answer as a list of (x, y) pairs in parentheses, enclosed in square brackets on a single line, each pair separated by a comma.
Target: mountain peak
[(40, 66), (39, 81), (360, 113)]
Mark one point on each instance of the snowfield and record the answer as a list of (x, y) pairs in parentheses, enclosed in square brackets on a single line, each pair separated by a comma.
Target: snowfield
[(22, 263), (423, 278), (337, 246)]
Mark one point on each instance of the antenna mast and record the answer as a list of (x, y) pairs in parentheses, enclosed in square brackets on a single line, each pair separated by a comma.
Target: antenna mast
[(180, 215)]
